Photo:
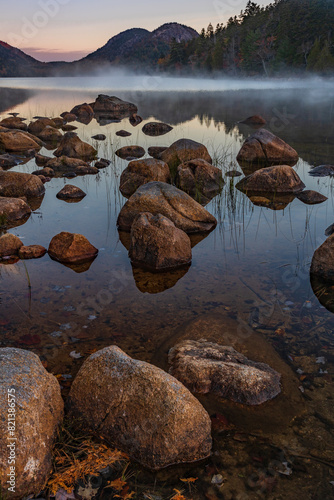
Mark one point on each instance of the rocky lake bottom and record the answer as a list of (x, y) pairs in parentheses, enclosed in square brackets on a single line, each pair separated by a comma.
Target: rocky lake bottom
[(248, 285)]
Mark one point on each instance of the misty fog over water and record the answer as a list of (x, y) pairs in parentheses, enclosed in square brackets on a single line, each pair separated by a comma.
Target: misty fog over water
[(120, 80)]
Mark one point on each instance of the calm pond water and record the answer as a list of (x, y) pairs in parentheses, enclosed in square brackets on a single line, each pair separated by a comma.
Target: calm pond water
[(248, 285)]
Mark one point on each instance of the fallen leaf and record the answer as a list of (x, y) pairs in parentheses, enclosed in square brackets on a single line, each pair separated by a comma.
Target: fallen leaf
[(189, 479)]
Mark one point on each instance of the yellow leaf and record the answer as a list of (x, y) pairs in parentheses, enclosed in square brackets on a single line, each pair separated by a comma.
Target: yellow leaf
[(189, 479), (118, 484)]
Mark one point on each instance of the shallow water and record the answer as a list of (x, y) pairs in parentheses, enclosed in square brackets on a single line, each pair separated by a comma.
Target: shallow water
[(248, 284)]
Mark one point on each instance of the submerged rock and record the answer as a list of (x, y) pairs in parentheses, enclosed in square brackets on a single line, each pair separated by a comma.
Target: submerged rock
[(130, 152), (71, 248), (199, 179), (72, 146), (266, 149), (311, 197), (141, 409), (154, 129), (167, 200), (70, 192), (205, 367), (9, 245), (322, 264), (32, 252), (157, 244), (13, 209), (140, 172), (39, 411), (184, 150), (16, 184), (280, 179)]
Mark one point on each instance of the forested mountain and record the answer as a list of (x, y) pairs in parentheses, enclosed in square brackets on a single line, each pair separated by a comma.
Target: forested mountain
[(139, 47), (286, 36)]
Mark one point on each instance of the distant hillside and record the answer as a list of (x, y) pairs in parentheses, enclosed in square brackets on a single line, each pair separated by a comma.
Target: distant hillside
[(118, 46), (15, 63), (140, 48)]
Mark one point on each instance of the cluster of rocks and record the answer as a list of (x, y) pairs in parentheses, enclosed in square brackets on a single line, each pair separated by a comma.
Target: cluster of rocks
[(141, 409), (160, 215), (68, 248)]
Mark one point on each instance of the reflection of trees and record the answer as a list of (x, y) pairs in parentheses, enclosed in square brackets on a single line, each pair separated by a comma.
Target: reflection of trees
[(299, 117), (12, 97)]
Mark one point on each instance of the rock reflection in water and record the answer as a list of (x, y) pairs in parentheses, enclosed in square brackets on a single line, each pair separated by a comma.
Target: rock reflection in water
[(273, 202), (153, 283)]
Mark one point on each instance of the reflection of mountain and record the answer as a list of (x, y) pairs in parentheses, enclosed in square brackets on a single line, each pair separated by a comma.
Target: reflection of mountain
[(12, 97)]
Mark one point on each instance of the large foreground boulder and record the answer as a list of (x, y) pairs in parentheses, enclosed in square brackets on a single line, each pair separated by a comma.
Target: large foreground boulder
[(265, 148), (16, 184), (15, 141), (184, 150), (72, 146), (141, 409), (13, 209), (199, 179), (71, 248), (322, 264), (280, 179), (34, 394), (140, 172), (167, 200), (205, 367), (157, 244)]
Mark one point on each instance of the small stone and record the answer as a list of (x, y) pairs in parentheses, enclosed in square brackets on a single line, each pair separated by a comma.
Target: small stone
[(32, 252), (70, 192), (123, 133), (99, 137)]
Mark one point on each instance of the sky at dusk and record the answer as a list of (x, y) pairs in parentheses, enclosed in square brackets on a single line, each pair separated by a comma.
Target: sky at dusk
[(51, 30)]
